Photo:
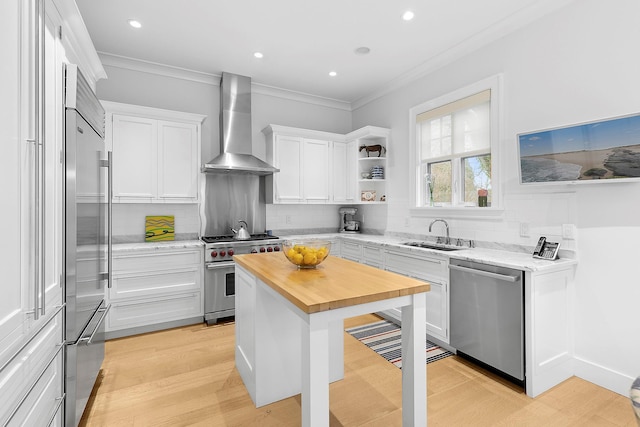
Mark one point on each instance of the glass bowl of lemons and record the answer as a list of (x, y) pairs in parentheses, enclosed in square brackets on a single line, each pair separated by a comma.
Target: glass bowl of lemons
[(306, 253)]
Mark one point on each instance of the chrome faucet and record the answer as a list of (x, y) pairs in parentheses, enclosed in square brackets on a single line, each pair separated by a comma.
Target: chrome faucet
[(447, 240)]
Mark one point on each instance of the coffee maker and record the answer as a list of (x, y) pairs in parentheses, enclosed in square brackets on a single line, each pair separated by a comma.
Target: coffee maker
[(347, 223)]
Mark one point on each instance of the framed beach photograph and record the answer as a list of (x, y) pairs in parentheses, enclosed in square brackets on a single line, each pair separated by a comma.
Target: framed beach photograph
[(605, 150)]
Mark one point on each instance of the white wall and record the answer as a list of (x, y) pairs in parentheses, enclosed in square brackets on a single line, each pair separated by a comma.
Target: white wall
[(578, 64)]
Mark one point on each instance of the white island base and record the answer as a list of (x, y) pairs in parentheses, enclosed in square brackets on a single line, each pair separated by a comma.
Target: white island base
[(282, 351)]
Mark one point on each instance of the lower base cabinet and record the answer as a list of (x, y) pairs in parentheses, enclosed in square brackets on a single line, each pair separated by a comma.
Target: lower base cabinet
[(154, 289), (430, 268), (32, 381)]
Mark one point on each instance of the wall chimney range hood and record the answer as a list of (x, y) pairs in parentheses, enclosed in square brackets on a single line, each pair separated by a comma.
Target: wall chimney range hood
[(235, 130)]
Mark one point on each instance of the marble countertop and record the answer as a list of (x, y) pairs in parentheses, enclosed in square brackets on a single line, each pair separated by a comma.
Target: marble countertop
[(500, 257), (517, 259), (174, 244)]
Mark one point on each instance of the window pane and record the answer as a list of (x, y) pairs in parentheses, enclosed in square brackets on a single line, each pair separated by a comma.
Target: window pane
[(477, 179), (441, 182)]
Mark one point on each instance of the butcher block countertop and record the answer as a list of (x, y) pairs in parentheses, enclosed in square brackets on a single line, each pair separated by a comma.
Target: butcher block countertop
[(335, 283)]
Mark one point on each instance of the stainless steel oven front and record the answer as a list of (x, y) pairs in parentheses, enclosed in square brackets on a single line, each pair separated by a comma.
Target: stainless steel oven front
[(220, 290)]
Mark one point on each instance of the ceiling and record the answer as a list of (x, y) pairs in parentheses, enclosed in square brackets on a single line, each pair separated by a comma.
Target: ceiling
[(303, 40)]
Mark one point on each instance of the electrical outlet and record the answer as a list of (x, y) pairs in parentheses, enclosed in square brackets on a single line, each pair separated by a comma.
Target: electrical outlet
[(568, 231), (287, 219), (524, 229)]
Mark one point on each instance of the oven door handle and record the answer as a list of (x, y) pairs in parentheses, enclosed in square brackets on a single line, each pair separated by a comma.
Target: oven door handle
[(217, 265)]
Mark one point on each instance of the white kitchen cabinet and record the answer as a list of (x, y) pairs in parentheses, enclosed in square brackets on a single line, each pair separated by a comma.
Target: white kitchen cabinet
[(287, 184), (430, 268), (324, 167), (312, 166), (134, 139), (315, 167), (32, 382), (343, 172), (155, 288), (351, 250), (549, 335), (373, 255), (373, 189), (156, 154)]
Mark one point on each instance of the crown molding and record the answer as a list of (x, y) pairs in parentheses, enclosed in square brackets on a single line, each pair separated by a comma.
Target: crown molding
[(124, 62), (300, 96), (490, 34), (77, 41), (149, 67)]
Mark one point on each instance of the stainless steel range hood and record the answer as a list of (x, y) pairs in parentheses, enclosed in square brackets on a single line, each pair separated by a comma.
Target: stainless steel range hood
[(235, 130)]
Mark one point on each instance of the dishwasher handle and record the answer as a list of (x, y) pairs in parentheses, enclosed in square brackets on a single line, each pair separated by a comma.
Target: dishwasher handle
[(496, 276)]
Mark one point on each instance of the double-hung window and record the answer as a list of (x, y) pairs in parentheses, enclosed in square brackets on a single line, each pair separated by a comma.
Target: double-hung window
[(453, 156)]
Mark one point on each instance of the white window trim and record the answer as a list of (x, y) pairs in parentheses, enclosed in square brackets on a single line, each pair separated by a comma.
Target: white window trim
[(495, 84)]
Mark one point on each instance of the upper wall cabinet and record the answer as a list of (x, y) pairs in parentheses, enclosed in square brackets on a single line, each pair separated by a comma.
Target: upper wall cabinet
[(156, 154), (306, 159), (319, 167)]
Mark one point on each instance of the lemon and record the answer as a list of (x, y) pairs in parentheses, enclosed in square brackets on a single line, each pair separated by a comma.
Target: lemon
[(290, 253), (310, 258), (297, 259)]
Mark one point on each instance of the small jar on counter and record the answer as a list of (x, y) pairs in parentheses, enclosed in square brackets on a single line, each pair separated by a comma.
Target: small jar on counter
[(482, 198)]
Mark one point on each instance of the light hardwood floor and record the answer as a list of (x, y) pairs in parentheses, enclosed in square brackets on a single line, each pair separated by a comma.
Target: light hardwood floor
[(186, 376)]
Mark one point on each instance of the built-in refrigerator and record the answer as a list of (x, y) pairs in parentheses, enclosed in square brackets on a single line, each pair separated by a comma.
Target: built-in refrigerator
[(87, 240)]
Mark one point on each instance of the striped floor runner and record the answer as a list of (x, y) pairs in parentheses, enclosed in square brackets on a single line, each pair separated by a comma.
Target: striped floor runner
[(384, 338)]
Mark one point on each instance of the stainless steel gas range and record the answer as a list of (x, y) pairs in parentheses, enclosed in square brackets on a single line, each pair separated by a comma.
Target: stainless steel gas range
[(219, 280)]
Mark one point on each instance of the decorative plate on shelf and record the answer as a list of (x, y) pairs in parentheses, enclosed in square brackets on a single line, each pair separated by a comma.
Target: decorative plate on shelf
[(368, 196)]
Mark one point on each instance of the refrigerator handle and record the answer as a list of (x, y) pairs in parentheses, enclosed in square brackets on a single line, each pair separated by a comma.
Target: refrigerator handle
[(104, 311), (109, 165)]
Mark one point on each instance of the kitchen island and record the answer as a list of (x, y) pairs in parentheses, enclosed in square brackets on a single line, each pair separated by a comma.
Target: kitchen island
[(289, 329)]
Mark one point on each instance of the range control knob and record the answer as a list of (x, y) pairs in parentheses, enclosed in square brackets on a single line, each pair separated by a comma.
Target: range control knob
[(261, 249), (269, 249), (253, 251), (214, 254), (222, 253), (230, 252), (276, 248)]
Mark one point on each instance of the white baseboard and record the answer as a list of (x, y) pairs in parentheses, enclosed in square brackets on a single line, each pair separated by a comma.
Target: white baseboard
[(604, 377), (109, 335)]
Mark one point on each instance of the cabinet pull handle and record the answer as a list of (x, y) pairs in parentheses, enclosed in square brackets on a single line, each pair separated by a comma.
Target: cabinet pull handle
[(60, 401), (36, 15), (34, 383), (39, 218), (42, 123)]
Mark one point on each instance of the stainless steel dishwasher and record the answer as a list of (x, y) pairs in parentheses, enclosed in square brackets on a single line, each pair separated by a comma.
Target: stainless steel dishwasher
[(487, 321)]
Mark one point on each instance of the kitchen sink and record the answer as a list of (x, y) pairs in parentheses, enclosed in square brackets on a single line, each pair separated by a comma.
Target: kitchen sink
[(435, 246)]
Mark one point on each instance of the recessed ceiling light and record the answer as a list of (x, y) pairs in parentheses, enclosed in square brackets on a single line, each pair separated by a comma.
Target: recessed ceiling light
[(258, 55), (408, 15), (333, 73), (363, 50), (134, 23)]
